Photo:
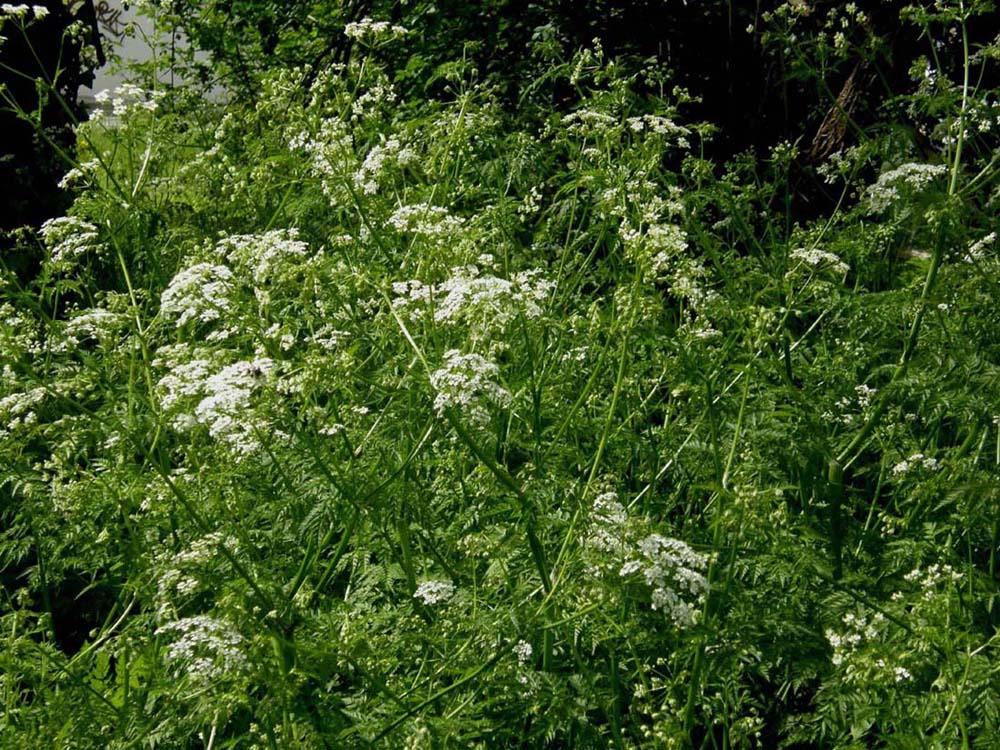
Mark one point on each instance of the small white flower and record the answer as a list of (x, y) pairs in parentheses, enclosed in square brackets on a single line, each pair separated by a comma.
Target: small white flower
[(434, 592), (367, 28), (464, 383), (978, 248), (205, 648), (523, 651), (674, 573), (425, 220), (817, 258), (200, 292), (917, 459), (911, 177), (14, 11), (69, 238)]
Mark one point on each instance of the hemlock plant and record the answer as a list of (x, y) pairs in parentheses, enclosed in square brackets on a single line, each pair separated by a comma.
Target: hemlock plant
[(340, 417)]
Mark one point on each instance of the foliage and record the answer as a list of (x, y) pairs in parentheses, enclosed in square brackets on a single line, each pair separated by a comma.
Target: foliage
[(337, 416)]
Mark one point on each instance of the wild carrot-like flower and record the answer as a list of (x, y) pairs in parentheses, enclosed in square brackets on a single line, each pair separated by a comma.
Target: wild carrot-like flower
[(200, 292), (434, 592), (817, 259), (426, 220), (68, 238), (483, 302), (204, 648), (464, 383), (910, 178), (367, 28)]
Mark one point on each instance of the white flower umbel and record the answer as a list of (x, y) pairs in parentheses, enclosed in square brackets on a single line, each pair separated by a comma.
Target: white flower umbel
[(123, 100), (19, 409), (331, 154), (200, 292), (226, 409), (434, 592), (204, 648), (655, 124), (188, 371), (817, 259), (978, 249), (588, 122), (425, 220), (265, 257), (674, 573), (68, 238), (904, 179), (185, 571), (483, 302), (523, 651), (13, 11), (914, 461), (368, 30), (464, 383), (221, 395), (654, 249), (608, 519), (96, 323), (376, 163)]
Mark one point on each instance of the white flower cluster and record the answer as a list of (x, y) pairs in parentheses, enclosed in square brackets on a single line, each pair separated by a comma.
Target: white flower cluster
[(608, 519), (673, 571), (864, 395), (425, 220), (331, 155), (977, 250), (181, 576), (628, 191), (912, 177), (434, 592), (367, 28), (914, 461), (201, 292), (82, 174), (19, 331), (658, 125), (480, 301), (816, 258), (97, 323), (523, 651), (264, 257), (688, 280), (226, 405), (188, 369), (68, 238), (20, 11), (18, 409), (589, 122), (849, 647), (223, 395), (656, 250), (381, 155), (858, 630), (206, 648), (931, 577), (464, 383), (368, 103), (124, 99)]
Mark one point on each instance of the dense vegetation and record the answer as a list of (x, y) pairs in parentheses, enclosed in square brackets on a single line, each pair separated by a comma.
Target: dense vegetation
[(500, 395)]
